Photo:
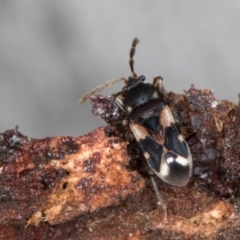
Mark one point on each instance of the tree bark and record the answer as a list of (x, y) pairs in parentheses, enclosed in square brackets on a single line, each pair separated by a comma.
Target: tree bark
[(97, 186)]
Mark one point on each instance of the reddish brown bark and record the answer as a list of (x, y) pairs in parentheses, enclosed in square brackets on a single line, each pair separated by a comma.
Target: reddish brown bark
[(96, 186)]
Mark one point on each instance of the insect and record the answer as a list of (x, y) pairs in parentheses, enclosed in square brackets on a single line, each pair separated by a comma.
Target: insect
[(152, 124)]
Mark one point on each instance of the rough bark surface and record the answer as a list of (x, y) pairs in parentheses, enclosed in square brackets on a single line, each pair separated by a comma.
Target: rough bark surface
[(97, 187)]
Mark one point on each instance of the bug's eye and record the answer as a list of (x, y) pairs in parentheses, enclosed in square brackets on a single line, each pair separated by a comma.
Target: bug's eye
[(142, 78)]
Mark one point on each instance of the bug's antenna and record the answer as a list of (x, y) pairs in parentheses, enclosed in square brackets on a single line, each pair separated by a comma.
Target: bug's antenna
[(131, 60)]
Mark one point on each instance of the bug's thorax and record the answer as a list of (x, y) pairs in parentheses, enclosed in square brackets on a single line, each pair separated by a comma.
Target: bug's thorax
[(137, 93)]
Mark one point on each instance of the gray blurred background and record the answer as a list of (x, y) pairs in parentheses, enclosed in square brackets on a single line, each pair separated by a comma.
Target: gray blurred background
[(53, 52)]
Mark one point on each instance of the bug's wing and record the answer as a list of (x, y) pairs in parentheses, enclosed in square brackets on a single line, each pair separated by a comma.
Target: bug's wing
[(166, 152)]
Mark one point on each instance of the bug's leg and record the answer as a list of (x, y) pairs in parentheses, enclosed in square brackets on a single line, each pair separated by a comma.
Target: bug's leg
[(158, 83), (176, 101), (159, 197), (99, 88), (119, 100), (181, 99), (187, 131), (125, 122)]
